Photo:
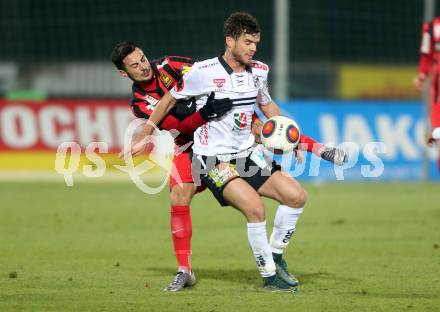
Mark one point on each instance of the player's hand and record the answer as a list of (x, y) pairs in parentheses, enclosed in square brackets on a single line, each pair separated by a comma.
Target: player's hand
[(257, 124), (420, 82), (215, 108), (299, 155), (429, 138), (334, 155), (138, 146)]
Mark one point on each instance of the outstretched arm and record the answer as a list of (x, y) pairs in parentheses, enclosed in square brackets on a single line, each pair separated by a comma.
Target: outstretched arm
[(141, 140)]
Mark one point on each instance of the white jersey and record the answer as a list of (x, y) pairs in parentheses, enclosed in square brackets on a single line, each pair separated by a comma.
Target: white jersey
[(232, 132)]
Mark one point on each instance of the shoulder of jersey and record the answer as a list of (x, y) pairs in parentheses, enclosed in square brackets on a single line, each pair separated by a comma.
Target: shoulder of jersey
[(259, 66), (179, 59), (206, 64), (172, 60)]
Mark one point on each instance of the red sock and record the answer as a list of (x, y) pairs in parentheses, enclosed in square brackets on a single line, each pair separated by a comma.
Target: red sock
[(181, 231), (310, 145)]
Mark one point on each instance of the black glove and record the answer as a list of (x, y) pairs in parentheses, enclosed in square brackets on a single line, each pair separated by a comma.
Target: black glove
[(215, 108), (334, 155), (184, 108)]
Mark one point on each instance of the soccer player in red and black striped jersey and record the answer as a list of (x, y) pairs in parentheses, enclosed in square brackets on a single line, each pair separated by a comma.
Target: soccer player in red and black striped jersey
[(151, 80), (429, 65)]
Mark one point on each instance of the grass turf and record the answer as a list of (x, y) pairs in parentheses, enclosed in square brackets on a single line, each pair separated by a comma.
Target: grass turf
[(107, 247)]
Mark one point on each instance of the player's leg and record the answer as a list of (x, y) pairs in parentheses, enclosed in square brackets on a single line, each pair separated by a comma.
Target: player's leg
[(236, 192), (438, 155), (182, 192), (292, 198), (436, 139), (181, 225)]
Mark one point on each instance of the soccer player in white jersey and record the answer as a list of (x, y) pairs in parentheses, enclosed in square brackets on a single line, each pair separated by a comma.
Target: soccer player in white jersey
[(226, 158)]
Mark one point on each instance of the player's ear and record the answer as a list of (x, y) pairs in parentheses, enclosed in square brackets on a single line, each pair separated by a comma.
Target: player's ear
[(123, 73), (229, 42)]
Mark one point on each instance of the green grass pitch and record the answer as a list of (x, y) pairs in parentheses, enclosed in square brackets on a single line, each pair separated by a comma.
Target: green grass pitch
[(107, 247)]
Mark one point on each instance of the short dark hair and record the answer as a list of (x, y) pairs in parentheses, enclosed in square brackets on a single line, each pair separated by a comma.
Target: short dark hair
[(120, 51), (240, 23)]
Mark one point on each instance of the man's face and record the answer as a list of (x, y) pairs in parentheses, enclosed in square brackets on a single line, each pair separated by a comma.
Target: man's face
[(244, 48), (137, 67)]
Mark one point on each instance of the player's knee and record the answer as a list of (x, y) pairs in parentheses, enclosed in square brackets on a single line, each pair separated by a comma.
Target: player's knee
[(180, 196), (256, 213), (296, 199)]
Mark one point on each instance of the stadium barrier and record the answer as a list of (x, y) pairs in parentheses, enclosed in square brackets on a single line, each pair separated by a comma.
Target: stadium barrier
[(30, 133), (397, 124)]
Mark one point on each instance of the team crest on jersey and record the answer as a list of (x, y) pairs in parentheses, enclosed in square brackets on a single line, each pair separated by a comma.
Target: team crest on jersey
[(240, 121), (219, 82), (167, 81)]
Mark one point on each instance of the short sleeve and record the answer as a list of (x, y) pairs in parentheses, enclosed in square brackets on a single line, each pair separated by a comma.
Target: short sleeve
[(264, 97)]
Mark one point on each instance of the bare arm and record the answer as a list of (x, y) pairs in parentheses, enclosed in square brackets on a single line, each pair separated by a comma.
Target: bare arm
[(160, 111), (269, 110)]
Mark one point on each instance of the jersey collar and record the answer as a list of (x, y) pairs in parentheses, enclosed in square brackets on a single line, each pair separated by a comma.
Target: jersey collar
[(228, 68)]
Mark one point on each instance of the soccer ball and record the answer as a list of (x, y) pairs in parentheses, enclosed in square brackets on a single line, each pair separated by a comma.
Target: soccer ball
[(280, 134)]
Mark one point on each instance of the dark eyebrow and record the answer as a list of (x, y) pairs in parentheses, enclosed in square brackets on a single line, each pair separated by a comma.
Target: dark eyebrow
[(136, 63)]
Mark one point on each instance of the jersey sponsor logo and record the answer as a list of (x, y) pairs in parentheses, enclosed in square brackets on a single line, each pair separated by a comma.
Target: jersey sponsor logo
[(203, 136), (167, 81), (221, 177), (219, 82), (260, 66), (208, 65), (240, 121), (151, 100)]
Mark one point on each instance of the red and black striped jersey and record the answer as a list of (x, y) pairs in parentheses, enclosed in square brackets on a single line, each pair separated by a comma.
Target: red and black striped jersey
[(429, 64), (168, 71)]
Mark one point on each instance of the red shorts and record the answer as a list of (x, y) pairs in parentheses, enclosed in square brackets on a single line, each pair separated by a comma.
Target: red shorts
[(435, 115), (181, 171)]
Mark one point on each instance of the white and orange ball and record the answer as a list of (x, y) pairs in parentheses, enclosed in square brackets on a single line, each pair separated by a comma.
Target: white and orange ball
[(280, 134)]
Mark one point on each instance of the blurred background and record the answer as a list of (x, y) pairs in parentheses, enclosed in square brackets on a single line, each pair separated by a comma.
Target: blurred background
[(343, 69)]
